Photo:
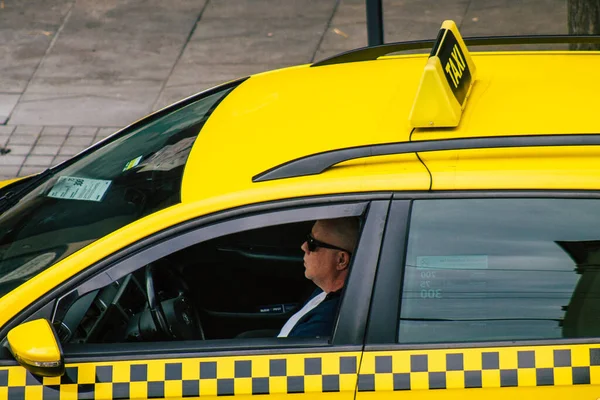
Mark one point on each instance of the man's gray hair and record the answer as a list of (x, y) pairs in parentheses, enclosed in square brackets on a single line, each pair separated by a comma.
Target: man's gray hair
[(345, 228)]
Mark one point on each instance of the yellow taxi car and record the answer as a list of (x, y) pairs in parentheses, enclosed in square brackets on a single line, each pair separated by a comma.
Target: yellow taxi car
[(476, 275)]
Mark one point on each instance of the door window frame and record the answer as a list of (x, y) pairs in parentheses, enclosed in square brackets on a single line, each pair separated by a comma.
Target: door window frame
[(353, 311)]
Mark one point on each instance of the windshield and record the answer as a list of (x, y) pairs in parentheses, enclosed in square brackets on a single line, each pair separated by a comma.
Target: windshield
[(131, 175)]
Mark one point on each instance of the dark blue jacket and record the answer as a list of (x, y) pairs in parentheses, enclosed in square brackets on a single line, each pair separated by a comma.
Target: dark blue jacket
[(320, 320)]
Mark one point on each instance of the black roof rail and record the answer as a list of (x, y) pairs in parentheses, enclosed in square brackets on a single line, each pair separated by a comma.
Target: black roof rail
[(374, 52), (317, 163)]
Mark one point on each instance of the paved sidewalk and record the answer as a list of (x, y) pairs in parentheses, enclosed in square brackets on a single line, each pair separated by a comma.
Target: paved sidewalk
[(74, 71)]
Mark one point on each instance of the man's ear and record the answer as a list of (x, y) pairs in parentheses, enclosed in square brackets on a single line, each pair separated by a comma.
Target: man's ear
[(343, 260)]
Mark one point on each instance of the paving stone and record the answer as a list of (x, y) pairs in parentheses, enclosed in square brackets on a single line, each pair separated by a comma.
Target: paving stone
[(351, 12), (71, 150), (414, 20), (109, 63), (51, 89), (348, 37), (83, 110), (28, 129), (425, 11), (7, 104), (8, 172), (26, 31), (56, 131), (6, 129), (20, 150), (221, 41), (117, 40), (11, 160), (83, 131), (30, 170), (104, 132), (51, 140), (23, 138), (38, 161), (79, 140), (507, 17), (247, 30), (260, 32), (45, 150), (275, 9)]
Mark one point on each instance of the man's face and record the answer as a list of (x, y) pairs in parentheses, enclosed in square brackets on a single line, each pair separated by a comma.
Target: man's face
[(321, 264)]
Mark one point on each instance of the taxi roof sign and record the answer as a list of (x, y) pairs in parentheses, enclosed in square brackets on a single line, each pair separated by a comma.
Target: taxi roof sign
[(446, 82)]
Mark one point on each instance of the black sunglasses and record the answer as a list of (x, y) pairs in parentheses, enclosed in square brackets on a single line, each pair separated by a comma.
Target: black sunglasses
[(313, 243)]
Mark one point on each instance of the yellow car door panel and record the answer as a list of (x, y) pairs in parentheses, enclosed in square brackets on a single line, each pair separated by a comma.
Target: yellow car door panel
[(111, 350), (493, 294)]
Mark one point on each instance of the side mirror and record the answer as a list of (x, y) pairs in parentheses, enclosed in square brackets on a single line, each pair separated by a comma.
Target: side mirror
[(36, 347)]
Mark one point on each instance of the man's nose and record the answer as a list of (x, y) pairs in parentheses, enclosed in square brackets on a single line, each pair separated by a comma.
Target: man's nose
[(304, 247)]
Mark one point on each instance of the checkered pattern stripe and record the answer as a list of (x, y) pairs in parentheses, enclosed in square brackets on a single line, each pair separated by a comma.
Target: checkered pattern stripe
[(223, 376), (479, 368)]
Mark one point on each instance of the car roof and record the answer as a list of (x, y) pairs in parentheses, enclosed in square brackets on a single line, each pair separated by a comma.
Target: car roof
[(279, 116), (530, 93)]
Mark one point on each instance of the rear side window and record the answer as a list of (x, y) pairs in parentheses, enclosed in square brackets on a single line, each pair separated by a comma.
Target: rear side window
[(501, 269)]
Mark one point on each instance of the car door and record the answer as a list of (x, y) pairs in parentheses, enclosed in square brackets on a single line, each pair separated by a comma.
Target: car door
[(101, 368), (492, 295)]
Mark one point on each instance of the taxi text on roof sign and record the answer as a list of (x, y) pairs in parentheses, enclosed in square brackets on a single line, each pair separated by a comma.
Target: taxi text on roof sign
[(446, 82)]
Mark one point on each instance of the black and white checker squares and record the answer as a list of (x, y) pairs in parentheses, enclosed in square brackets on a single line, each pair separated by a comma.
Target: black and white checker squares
[(261, 375), (313, 373), (478, 368)]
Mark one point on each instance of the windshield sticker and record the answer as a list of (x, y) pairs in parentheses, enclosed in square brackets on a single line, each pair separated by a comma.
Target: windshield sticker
[(132, 163), (36, 264), (72, 188), (453, 262)]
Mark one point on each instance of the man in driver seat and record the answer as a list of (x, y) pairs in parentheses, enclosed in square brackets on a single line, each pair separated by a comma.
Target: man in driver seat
[(327, 252)]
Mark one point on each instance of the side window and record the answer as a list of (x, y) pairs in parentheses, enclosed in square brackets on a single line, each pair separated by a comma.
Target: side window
[(241, 285), (501, 269)]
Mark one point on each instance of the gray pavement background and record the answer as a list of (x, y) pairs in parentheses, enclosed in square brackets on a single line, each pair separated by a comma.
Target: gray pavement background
[(74, 71)]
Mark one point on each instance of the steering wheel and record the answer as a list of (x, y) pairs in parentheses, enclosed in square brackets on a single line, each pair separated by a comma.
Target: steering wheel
[(177, 317)]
